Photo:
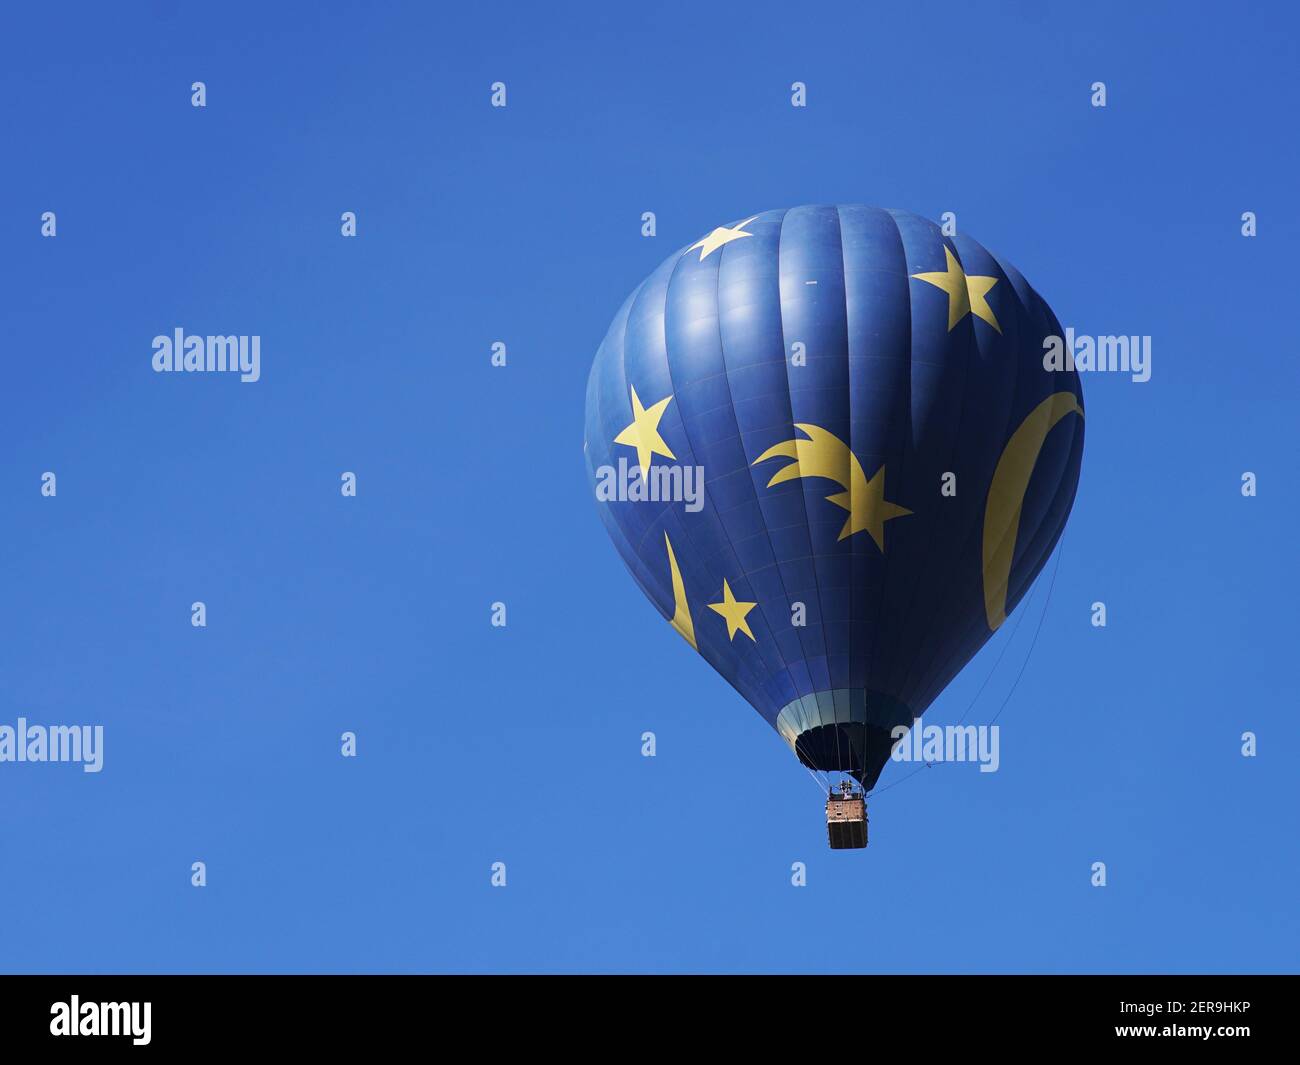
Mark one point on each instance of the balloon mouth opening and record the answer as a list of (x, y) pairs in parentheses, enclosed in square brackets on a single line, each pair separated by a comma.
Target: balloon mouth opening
[(857, 749), (849, 730)]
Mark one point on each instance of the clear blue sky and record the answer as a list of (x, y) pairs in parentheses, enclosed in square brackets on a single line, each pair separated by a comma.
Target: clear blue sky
[(522, 745)]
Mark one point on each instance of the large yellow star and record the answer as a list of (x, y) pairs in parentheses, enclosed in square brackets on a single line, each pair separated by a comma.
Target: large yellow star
[(643, 433), (734, 612), (965, 292), (868, 509), (720, 236)]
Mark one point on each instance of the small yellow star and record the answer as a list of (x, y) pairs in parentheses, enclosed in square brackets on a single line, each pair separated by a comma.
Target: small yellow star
[(734, 612), (643, 433), (965, 292), (720, 236)]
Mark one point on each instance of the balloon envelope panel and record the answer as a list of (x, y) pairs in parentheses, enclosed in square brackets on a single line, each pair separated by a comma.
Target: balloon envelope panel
[(886, 463)]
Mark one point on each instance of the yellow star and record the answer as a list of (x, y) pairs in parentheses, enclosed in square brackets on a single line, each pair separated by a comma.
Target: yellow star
[(965, 293), (868, 508), (643, 433), (734, 612), (720, 236)]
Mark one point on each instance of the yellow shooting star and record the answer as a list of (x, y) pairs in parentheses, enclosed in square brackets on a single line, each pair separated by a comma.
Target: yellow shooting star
[(825, 455), (734, 611), (720, 236), (643, 433), (966, 292)]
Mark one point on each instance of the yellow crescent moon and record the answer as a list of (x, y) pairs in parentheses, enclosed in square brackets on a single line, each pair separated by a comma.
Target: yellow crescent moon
[(681, 620), (1007, 496)]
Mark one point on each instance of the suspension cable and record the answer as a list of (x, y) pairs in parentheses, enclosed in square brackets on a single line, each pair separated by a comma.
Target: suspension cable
[(1060, 550)]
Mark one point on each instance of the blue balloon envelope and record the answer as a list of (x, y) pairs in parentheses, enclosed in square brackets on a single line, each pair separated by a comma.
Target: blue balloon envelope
[(827, 446)]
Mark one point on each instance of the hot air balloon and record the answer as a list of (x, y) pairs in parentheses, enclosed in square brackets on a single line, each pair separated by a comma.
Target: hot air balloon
[(826, 445)]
